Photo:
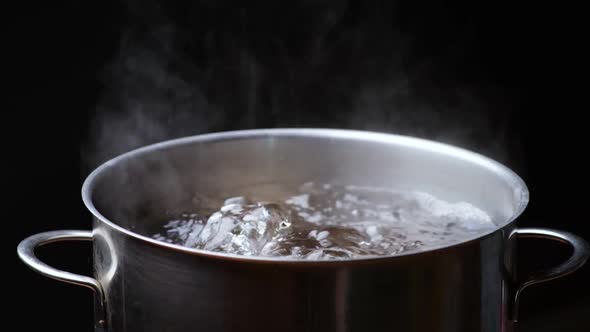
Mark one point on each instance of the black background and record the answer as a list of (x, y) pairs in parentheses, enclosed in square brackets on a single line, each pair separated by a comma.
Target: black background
[(504, 79)]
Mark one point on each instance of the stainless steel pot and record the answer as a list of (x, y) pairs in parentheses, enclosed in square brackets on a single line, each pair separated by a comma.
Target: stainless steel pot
[(144, 285)]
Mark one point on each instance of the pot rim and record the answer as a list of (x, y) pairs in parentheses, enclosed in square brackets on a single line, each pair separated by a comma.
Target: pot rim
[(423, 144)]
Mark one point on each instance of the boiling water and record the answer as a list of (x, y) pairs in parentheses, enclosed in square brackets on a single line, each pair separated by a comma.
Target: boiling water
[(323, 221)]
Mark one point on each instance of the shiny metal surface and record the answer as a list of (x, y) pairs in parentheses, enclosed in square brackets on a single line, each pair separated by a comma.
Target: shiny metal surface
[(158, 289), (26, 252), (155, 286), (165, 176), (580, 254)]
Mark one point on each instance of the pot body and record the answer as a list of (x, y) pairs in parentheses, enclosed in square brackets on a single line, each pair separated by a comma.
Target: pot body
[(163, 288), (145, 285), (462, 288)]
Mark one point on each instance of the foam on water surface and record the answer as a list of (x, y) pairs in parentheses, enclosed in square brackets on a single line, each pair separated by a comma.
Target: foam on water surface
[(324, 221)]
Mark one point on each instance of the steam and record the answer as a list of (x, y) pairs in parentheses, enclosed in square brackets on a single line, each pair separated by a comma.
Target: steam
[(211, 66), (459, 116), (149, 96)]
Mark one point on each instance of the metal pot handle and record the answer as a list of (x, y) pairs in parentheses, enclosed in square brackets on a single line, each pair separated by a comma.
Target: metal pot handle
[(576, 260), (26, 252)]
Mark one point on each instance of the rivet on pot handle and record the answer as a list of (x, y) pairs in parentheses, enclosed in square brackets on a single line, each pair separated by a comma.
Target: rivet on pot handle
[(26, 252), (576, 260)]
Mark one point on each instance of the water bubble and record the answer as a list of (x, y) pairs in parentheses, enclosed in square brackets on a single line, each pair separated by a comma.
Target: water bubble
[(326, 221)]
